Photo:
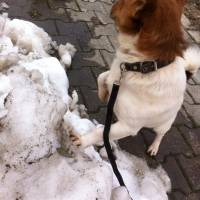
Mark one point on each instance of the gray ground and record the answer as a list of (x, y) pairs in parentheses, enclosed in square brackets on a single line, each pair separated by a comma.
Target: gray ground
[(86, 24)]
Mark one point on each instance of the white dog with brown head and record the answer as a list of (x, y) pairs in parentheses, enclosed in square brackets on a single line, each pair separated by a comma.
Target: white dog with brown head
[(149, 30)]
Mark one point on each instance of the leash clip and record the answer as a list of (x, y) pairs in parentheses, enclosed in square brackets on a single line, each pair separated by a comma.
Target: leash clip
[(122, 69)]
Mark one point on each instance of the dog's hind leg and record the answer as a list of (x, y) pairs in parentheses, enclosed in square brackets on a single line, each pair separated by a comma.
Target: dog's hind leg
[(102, 87), (160, 132)]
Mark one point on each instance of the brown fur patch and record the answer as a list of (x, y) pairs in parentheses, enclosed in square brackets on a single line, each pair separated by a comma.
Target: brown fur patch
[(157, 23)]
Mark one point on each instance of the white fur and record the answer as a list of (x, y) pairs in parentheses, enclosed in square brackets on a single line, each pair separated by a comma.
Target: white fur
[(144, 100), (192, 57)]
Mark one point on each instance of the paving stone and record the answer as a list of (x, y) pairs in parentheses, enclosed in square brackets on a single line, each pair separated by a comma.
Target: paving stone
[(60, 11), (108, 57), (114, 41), (91, 6), (16, 2), (47, 25), (195, 35), (97, 70), (187, 97), (194, 196), (191, 168), (82, 77), (134, 145), (176, 176), (81, 16), (101, 43), (55, 4), (88, 59), (194, 91), (196, 78), (108, 8), (105, 1), (185, 21), (108, 29), (40, 10), (191, 81), (71, 5), (78, 31), (104, 18), (181, 119), (19, 11), (172, 143), (178, 196), (99, 116), (170, 196), (91, 99), (188, 37), (188, 121), (193, 138), (194, 112), (65, 39)]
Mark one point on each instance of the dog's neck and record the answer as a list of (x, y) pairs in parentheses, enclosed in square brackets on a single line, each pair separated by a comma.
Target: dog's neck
[(127, 50)]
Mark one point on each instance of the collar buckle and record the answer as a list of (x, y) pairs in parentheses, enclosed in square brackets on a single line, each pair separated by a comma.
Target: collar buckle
[(148, 66)]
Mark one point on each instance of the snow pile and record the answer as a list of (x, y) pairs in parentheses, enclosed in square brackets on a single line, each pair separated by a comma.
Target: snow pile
[(36, 114)]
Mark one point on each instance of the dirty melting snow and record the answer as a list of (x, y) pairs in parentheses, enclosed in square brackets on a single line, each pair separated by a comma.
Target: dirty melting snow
[(36, 113)]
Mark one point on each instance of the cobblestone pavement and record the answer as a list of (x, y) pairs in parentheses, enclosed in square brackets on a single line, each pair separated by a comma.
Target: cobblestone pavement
[(87, 25)]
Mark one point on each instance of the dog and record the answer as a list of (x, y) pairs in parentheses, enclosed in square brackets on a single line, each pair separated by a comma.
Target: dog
[(148, 30)]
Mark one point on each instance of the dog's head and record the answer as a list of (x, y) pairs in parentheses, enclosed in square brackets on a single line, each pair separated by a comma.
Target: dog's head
[(157, 24)]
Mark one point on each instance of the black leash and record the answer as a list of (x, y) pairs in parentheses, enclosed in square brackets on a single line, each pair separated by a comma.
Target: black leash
[(109, 116)]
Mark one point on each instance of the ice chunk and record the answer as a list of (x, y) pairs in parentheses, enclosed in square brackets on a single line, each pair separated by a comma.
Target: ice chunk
[(28, 37), (57, 178), (8, 53), (5, 89), (30, 125), (3, 6), (66, 52), (120, 193), (54, 75), (80, 125)]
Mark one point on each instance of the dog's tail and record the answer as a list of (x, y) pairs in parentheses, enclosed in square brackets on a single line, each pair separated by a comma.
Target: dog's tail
[(192, 58)]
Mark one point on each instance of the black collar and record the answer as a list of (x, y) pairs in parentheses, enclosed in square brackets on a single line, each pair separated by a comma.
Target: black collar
[(145, 66)]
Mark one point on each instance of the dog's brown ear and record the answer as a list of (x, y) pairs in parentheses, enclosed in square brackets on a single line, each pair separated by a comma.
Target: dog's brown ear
[(139, 4), (129, 14), (146, 6)]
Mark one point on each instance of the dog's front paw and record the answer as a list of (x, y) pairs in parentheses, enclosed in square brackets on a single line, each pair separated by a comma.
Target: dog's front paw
[(153, 149), (76, 139)]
